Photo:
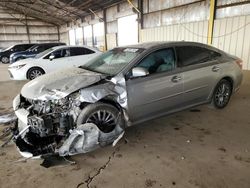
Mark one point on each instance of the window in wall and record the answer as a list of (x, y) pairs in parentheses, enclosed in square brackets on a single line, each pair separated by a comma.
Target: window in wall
[(127, 30), (72, 37), (98, 30), (79, 36), (88, 35)]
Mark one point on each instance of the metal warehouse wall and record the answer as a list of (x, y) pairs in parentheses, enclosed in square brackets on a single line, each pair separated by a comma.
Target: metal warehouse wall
[(16, 28), (231, 27), (168, 20), (113, 13), (233, 36), (193, 31)]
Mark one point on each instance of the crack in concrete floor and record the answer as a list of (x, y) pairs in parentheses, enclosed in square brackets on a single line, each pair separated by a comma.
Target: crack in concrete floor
[(90, 178)]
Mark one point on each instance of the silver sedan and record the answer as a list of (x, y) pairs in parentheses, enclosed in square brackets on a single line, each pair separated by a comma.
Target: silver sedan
[(79, 109)]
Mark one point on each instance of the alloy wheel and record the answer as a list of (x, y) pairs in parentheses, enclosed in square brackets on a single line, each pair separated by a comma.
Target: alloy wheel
[(34, 74), (104, 120), (222, 95), (5, 60)]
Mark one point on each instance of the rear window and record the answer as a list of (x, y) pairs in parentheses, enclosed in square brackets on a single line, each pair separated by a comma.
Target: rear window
[(192, 55)]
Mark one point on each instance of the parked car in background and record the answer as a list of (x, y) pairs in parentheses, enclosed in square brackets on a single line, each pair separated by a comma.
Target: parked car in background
[(50, 60), (5, 54), (33, 51), (77, 110)]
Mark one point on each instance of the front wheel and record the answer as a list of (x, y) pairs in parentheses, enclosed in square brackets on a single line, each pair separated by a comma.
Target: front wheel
[(104, 116), (222, 94), (34, 73), (5, 59)]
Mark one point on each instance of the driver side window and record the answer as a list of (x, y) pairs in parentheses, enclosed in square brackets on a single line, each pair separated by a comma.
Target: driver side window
[(59, 54), (159, 61)]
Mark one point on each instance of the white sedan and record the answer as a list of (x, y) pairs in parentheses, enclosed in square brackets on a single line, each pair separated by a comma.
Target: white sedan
[(50, 60)]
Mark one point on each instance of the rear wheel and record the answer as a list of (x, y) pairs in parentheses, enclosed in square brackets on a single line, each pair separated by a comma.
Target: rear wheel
[(222, 94), (34, 73), (104, 116), (5, 59)]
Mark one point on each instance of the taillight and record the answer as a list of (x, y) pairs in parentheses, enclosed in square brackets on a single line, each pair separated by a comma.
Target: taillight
[(239, 62)]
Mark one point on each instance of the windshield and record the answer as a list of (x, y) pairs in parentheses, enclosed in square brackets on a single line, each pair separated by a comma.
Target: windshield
[(43, 53), (113, 61), (6, 49)]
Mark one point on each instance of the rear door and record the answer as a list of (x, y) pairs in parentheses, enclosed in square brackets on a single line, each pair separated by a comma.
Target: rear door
[(160, 91), (201, 69)]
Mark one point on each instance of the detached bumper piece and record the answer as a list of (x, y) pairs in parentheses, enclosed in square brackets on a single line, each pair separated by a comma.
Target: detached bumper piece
[(88, 137)]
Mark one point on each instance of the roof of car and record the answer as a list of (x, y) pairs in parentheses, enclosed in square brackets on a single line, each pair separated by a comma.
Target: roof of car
[(148, 45), (70, 46)]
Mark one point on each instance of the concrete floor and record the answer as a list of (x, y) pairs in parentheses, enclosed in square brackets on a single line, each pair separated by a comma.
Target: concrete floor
[(204, 148)]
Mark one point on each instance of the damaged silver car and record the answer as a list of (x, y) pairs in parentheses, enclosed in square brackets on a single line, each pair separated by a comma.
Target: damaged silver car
[(77, 110)]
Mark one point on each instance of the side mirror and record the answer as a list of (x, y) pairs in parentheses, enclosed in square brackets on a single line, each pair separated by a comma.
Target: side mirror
[(139, 72), (51, 57)]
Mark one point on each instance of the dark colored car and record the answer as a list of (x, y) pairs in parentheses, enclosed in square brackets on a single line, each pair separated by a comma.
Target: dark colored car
[(5, 54), (33, 51)]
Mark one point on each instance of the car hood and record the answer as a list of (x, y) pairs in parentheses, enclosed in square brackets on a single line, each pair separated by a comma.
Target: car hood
[(59, 84)]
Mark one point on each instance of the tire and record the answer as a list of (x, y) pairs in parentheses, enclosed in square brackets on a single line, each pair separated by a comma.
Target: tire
[(222, 94), (90, 115), (5, 59), (34, 73)]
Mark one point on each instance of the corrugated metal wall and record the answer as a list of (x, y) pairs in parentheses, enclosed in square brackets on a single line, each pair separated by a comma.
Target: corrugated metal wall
[(230, 34), (193, 31), (233, 36), (13, 29), (167, 20)]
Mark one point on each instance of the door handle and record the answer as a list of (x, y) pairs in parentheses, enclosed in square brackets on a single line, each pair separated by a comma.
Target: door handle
[(215, 69), (176, 79)]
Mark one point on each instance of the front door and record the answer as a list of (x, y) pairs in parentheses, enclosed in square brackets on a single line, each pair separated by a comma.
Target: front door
[(160, 91), (60, 60)]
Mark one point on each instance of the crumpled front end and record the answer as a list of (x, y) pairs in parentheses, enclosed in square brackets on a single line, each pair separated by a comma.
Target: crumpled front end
[(49, 126)]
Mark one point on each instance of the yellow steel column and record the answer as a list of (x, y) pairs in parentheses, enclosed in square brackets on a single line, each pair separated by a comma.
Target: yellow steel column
[(211, 21)]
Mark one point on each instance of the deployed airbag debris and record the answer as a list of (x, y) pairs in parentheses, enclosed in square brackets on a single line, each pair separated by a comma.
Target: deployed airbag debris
[(7, 118)]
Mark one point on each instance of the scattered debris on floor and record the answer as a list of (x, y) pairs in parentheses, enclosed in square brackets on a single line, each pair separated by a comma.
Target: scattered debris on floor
[(7, 118), (222, 149), (5, 132), (150, 183), (243, 159), (6, 136), (195, 110), (55, 160)]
